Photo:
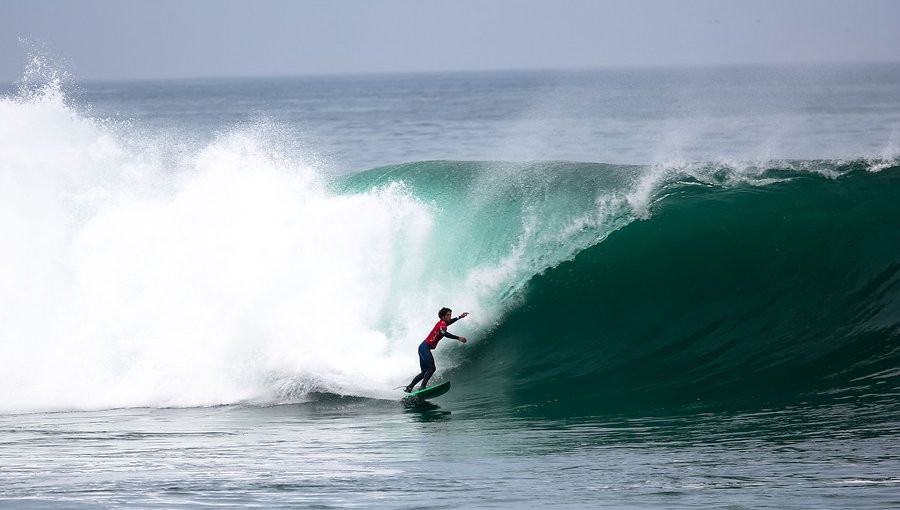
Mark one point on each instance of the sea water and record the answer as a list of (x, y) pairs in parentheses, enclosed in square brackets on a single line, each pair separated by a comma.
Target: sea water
[(683, 286)]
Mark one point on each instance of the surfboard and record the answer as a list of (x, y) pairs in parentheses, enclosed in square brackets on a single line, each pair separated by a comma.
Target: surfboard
[(430, 392)]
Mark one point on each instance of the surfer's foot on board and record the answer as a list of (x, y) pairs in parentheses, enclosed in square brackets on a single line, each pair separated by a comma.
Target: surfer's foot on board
[(408, 389)]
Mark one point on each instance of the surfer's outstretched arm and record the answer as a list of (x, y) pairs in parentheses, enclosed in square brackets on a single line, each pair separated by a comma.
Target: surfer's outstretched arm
[(461, 316), (447, 334)]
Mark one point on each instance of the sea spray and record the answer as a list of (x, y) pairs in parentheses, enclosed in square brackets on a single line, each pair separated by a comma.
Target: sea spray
[(233, 276)]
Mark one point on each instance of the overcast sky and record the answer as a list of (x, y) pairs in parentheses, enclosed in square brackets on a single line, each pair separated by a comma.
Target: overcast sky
[(101, 39)]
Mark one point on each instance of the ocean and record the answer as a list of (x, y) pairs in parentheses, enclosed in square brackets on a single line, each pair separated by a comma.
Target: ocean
[(684, 288)]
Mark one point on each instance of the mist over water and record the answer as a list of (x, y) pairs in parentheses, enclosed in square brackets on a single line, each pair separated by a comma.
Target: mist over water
[(619, 116)]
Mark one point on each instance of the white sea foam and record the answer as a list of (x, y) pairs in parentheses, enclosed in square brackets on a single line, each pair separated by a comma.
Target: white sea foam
[(234, 276)]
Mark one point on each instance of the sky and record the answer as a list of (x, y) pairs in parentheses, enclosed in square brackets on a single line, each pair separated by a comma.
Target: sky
[(161, 39)]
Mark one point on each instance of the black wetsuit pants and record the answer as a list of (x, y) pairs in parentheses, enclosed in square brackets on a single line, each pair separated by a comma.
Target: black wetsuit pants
[(426, 363)]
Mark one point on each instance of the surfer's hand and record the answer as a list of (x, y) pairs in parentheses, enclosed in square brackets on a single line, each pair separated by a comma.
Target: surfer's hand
[(462, 339), (464, 314)]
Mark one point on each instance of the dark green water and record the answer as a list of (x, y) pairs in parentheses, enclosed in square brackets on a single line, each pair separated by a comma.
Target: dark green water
[(732, 298)]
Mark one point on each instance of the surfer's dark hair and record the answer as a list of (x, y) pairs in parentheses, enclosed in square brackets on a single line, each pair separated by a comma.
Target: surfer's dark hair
[(443, 311)]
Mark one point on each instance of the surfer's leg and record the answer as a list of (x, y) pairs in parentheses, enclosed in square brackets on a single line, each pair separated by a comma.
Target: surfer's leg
[(425, 380), (414, 381), (424, 364), (428, 371)]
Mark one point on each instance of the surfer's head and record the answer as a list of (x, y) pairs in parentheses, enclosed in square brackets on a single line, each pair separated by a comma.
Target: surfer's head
[(445, 313)]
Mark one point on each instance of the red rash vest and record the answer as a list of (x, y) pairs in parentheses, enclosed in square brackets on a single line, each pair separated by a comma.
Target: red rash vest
[(438, 332)]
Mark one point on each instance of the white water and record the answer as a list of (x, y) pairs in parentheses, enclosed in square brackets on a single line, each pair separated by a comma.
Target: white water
[(138, 274)]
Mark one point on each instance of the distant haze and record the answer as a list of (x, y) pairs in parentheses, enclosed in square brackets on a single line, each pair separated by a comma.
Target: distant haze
[(128, 39)]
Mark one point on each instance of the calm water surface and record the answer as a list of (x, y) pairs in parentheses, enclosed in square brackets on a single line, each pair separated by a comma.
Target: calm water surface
[(349, 453)]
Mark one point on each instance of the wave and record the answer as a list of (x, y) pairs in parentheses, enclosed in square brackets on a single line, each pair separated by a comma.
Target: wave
[(142, 271)]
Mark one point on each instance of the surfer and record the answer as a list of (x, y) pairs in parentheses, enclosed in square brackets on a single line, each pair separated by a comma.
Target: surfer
[(426, 359)]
